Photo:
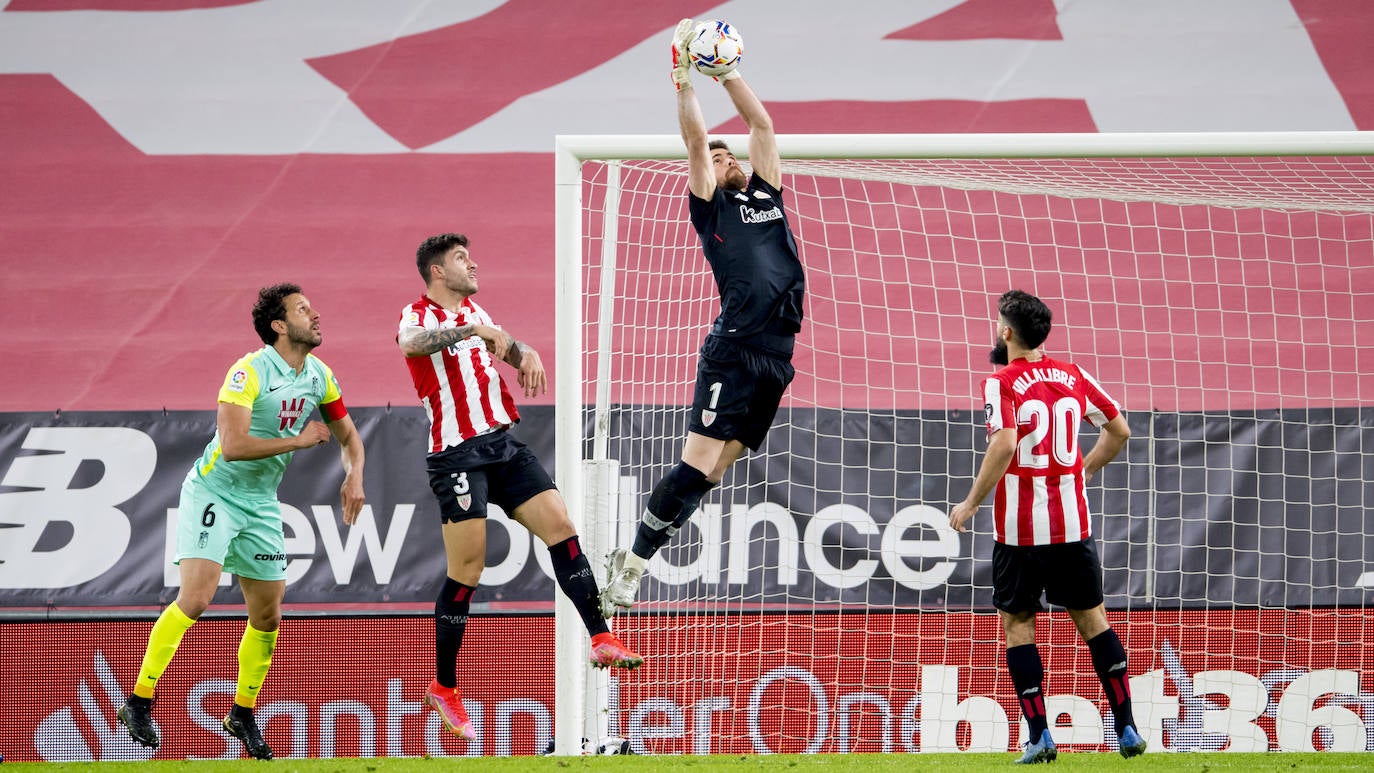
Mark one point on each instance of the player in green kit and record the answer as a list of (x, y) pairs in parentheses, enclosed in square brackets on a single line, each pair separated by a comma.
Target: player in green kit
[(229, 518)]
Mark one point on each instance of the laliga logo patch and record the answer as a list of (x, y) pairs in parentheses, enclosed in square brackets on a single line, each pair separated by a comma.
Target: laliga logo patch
[(237, 380), (708, 417), (413, 318)]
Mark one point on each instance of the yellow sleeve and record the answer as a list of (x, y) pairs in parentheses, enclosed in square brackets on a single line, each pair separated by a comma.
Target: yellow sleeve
[(241, 384)]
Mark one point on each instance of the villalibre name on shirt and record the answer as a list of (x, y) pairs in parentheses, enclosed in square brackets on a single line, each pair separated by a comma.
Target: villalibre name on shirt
[(1036, 375)]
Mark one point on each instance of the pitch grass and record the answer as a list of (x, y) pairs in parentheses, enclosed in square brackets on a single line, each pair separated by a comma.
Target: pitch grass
[(1276, 762)]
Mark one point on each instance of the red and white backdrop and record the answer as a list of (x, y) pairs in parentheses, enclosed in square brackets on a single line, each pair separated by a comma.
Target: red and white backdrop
[(161, 165), (160, 161)]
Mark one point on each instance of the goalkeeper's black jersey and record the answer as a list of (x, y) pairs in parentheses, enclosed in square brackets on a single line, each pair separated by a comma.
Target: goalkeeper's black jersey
[(754, 258)]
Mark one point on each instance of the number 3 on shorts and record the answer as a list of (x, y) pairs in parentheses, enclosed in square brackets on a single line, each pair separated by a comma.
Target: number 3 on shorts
[(460, 483)]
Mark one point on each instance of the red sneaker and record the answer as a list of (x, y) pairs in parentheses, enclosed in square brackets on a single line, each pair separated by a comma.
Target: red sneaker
[(449, 703), (610, 651)]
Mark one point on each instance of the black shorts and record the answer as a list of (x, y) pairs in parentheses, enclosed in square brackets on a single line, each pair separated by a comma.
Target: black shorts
[(738, 391), (1070, 576), (493, 468)]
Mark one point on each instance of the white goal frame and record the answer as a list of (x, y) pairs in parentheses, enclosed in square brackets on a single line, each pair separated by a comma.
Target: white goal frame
[(575, 718)]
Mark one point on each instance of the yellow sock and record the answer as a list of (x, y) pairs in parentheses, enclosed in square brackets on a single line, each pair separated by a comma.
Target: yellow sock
[(163, 641), (255, 657)]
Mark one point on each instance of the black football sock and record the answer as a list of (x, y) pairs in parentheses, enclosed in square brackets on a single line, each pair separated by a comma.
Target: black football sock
[(574, 574), (1109, 661), (671, 505), (450, 619), (1028, 677)]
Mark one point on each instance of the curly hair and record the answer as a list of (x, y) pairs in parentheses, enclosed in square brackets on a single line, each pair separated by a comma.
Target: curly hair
[(270, 307)]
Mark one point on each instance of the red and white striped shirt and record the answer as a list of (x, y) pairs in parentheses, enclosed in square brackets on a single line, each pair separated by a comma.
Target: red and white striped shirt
[(1040, 500), (459, 386)]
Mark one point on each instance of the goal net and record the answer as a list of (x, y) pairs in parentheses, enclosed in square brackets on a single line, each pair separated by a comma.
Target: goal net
[(1219, 287)]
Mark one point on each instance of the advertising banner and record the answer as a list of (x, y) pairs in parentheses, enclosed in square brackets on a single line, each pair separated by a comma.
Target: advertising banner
[(860, 682), (839, 507)]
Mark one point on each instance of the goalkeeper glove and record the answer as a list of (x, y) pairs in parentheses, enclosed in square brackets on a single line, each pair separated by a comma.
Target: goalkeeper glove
[(682, 61)]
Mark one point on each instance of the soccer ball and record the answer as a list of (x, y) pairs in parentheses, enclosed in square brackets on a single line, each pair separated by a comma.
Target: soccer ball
[(715, 48)]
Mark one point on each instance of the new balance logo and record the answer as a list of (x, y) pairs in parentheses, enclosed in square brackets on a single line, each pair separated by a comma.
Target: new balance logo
[(38, 491)]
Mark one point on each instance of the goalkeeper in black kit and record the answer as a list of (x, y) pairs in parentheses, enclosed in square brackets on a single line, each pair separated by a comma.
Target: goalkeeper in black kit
[(745, 363)]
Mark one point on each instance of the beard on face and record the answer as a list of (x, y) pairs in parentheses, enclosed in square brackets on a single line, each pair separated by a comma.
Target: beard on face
[(302, 335), (998, 355), (735, 179)]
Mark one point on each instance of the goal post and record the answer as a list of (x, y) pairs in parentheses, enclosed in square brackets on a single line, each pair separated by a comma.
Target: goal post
[(1213, 282)]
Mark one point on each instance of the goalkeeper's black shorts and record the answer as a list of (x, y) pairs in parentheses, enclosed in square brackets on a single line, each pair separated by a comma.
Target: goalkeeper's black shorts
[(738, 391), (1069, 576)]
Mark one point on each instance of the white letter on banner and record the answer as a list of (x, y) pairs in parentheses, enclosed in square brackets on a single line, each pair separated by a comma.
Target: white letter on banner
[(705, 567), (813, 545), (1247, 698), (100, 531), (818, 698), (1297, 718), (640, 729), (382, 553), (844, 708), (1085, 722), (895, 548), (1152, 708), (942, 711), (702, 729), (742, 522)]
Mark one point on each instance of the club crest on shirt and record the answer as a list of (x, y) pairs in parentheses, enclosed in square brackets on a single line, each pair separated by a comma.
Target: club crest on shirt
[(707, 418), (987, 412), (465, 502)]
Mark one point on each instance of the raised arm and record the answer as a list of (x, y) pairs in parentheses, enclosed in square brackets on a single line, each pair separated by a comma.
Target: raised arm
[(422, 342), (530, 368), (763, 144), (701, 175)]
